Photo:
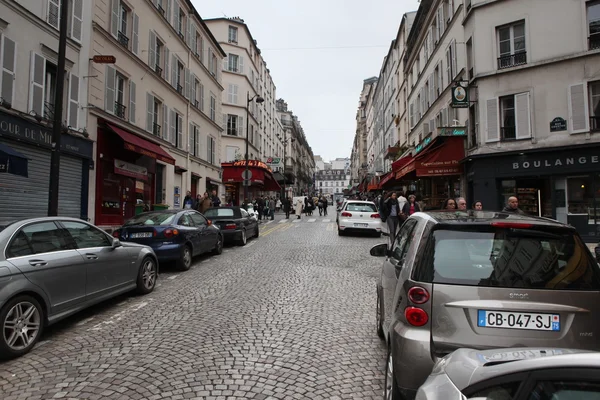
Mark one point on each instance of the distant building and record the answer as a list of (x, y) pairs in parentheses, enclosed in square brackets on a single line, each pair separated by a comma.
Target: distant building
[(332, 181)]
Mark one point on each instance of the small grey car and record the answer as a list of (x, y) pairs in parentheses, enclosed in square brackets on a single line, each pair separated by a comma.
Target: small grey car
[(481, 280), (515, 374), (53, 267)]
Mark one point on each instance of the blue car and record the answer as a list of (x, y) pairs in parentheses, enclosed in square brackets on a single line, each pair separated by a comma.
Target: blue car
[(174, 235)]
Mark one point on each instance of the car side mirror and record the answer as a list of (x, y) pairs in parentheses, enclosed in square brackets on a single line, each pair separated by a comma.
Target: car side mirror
[(116, 243), (379, 250)]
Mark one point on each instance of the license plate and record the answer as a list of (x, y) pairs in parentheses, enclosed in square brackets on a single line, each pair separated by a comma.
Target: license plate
[(141, 235), (518, 320), (361, 225)]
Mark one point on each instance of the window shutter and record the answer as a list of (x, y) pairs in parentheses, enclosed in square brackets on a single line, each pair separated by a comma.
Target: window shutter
[(578, 110), (225, 123), (173, 130), (77, 20), (152, 51), (188, 31), (73, 110), (493, 129), (523, 116), (454, 59), (132, 99), (54, 13), (441, 75), (432, 126), (169, 7), (180, 131), (149, 112), (226, 63), (445, 121), (240, 126), (411, 115), (114, 18), (241, 61), (201, 97), (235, 94), (194, 42), (175, 15), (230, 94), (174, 71), (110, 80), (193, 94), (442, 20), (165, 124), (208, 152), (191, 139), (166, 60), (135, 46), (187, 83), (198, 142), (432, 93), (8, 63), (38, 83)]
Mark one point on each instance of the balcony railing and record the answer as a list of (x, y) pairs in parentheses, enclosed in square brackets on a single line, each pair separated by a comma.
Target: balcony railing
[(48, 110), (196, 104), (156, 129), (181, 35), (120, 110), (509, 133), (512, 60), (123, 39), (595, 123), (158, 70), (594, 41)]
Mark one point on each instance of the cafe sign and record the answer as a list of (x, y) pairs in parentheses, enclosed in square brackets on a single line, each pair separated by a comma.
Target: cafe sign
[(453, 131), (251, 163)]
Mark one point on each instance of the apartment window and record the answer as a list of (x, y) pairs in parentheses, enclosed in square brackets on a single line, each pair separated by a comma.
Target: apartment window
[(232, 94), (177, 130), (210, 150), (213, 107), (156, 110), (233, 63), (160, 6), (194, 140), (594, 88), (181, 23), (49, 90), (508, 127), (233, 34), (180, 76), (122, 34), (511, 45), (120, 96), (158, 49), (234, 125), (197, 96), (212, 63), (593, 15), (470, 58), (451, 62)]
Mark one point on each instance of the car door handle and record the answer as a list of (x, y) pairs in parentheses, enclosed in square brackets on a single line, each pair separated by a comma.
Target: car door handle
[(91, 256), (37, 263)]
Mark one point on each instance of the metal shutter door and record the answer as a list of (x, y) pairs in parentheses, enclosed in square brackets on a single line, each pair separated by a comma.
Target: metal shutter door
[(69, 194), (22, 197)]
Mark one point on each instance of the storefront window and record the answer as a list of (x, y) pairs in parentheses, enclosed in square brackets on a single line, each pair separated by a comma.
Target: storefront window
[(111, 183), (580, 195)]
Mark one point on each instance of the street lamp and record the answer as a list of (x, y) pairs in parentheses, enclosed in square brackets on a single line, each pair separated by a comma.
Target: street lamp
[(249, 99), (285, 142)]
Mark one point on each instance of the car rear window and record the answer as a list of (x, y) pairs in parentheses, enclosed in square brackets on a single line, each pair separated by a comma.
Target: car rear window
[(152, 218), (219, 212), (511, 258), (361, 207)]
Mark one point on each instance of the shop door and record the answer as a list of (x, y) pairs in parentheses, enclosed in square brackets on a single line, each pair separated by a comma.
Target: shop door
[(128, 197), (194, 188)]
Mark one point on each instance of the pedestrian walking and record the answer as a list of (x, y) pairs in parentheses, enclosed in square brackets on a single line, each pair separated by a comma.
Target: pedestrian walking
[(287, 207), (272, 208), (298, 208), (205, 203), (410, 207), (393, 212), (188, 201), (402, 200), (260, 206), (512, 206), (216, 202)]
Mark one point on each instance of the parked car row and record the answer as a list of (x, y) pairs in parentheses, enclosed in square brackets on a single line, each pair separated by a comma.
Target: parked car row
[(53, 267), (481, 281)]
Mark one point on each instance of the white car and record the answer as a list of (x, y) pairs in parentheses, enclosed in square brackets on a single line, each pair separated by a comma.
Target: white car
[(359, 216)]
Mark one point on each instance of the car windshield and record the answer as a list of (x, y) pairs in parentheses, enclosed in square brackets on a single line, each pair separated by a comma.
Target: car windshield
[(512, 258), (219, 212), (361, 207), (152, 218)]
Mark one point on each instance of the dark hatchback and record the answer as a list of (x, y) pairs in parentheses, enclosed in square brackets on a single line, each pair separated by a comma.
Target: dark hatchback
[(235, 223), (174, 235)]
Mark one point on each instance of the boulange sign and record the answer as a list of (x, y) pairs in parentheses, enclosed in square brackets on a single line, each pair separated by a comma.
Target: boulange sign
[(555, 162)]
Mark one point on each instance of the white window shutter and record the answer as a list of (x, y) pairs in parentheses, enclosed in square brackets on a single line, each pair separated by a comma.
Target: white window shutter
[(445, 121), (132, 101), (114, 17), (37, 83), (168, 11), (201, 97), (194, 42), (523, 116), (442, 20), (197, 141), (235, 94), (578, 109), (73, 109), (432, 126), (173, 130), (77, 20), (230, 94), (175, 15), (110, 80), (188, 31), (187, 83), (454, 59), (240, 126), (193, 94), (174, 71), (241, 61), (493, 125), (166, 60), (190, 138), (8, 67), (149, 112), (208, 149), (180, 131), (135, 45), (226, 63), (165, 124), (54, 13), (152, 51)]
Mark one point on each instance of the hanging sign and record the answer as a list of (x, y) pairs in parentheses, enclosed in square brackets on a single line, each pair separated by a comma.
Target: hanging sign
[(460, 95)]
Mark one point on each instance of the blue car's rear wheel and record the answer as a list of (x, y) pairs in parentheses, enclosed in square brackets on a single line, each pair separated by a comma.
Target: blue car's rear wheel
[(185, 261)]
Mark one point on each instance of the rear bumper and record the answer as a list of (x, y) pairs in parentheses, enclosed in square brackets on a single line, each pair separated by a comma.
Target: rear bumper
[(231, 235), (168, 252), (412, 356), (374, 225)]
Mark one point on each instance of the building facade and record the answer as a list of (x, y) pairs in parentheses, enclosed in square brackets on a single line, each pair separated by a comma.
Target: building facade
[(156, 110), (29, 34), (332, 181)]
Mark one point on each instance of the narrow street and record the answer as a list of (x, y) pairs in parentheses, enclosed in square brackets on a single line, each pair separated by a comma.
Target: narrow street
[(288, 316)]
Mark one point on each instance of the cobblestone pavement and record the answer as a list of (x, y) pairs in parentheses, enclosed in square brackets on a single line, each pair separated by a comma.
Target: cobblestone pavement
[(288, 316)]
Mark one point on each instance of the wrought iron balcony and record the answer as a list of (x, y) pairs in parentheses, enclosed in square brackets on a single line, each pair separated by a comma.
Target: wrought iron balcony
[(196, 104), (123, 39), (512, 60), (120, 110), (48, 110), (158, 70), (179, 89), (156, 129), (595, 123), (594, 41), (509, 133), (181, 35)]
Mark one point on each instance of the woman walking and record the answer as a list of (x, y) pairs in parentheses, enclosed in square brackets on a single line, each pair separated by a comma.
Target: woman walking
[(449, 204), (298, 208), (393, 213), (411, 206)]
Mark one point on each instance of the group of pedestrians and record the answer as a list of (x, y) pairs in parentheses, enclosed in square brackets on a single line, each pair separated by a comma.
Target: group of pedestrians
[(202, 202), (265, 206)]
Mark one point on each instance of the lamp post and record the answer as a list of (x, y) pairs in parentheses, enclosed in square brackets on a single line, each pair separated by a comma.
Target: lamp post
[(248, 101), (285, 142)]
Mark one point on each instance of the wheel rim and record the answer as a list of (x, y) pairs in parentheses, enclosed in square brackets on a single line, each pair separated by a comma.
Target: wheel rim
[(389, 377), (149, 274), (21, 325), (187, 257)]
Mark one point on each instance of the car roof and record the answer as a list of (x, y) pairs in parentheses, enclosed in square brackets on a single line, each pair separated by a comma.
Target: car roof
[(359, 201), (466, 367), (473, 217)]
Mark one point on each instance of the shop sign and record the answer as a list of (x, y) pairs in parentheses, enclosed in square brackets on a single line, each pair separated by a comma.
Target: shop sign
[(274, 162), (558, 124), (251, 163), (176, 197), (454, 131), (104, 59), (22, 129), (422, 145), (439, 171), (131, 170), (555, 162), (460, 95)]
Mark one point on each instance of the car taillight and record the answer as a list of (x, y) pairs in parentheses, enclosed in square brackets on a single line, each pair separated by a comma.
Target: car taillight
[(116, 234), (375, 216), (515, 225), (346, 214), (230, 226), (415, 316), (171, 232), (418, 295)]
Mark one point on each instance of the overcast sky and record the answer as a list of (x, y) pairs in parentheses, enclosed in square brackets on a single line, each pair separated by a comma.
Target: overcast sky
[(319, 52)]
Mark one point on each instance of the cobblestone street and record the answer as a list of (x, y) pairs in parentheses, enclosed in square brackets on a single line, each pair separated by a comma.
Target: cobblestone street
[(289, 316)]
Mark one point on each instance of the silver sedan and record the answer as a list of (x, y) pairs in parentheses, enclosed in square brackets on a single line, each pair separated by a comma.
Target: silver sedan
[(53, 267)]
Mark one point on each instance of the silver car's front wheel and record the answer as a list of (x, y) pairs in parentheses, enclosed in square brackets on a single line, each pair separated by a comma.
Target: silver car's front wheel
[(391, 391), (147, 276), (22, 320)]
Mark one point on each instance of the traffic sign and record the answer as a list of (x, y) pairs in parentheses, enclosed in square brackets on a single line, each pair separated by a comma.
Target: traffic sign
[(247, 174)]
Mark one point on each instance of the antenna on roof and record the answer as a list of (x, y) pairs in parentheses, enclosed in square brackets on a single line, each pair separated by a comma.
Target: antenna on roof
[(225, 15)]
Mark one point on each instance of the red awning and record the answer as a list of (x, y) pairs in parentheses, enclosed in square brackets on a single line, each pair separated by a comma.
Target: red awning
[(385, 178), (260, 176), (142, 146), (409, 167), (443, 160), (401, 162)]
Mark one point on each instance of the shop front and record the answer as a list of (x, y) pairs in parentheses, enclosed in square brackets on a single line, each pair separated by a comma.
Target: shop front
[(25, 152), (129, 175), (261, 180), (558, 183)]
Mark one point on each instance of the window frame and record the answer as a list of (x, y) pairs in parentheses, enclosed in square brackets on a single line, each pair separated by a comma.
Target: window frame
[(501, 117), (511, 40), (232, 38), (66, 237), (92, 228)]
